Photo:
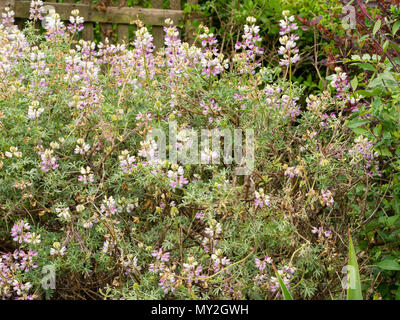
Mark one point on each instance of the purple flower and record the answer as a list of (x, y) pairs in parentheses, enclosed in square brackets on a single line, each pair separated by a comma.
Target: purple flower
[(321, 232), (76, 22), (109, 207), (363, 154), (49, 162), (288, 41), (246, 61), (160, 255), (35, 10), (177, 178), (143, 54), (18, 232), (326, 198)]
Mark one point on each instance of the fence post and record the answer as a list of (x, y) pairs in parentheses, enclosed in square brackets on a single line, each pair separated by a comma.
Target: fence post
[(157, 30), (11, 5), (68, 1), (188, 25), (175, 5), (6, 3), (123, 29), (106, 29), (88, 32)]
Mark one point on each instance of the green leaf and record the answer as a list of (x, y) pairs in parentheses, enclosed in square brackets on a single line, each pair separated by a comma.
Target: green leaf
[(376, 26), (354, 289), (366, 66), (391, 221), (388, 264), (396, 27), (387, 76), (354, 83), (395, 46), (396, 206), (367, 93), (385, 45), (276, 5), (398, 293), (355, 123), (378, 130), (384, 151), (361, 132)]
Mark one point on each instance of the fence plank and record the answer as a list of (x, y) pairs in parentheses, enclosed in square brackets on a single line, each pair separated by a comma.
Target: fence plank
[(106, 16), (124, 15), (157, 30)]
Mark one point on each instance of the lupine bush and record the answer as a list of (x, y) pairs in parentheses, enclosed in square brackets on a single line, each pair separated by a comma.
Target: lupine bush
[(84, 189), (319, 33)]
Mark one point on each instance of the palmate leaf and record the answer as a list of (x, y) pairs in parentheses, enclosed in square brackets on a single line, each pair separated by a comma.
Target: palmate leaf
[(354, 288)]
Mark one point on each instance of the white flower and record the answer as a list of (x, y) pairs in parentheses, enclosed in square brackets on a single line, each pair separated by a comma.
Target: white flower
[(13, 152), (82, 147), (34, 113), (37, 3), (57, 250), (54, 145), (34, 238), (76, 20), (208, 155), (63, 213), (169, 22), (251, 20)]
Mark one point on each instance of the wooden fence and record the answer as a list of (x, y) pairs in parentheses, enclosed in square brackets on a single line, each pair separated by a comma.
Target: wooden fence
[(106, 14)]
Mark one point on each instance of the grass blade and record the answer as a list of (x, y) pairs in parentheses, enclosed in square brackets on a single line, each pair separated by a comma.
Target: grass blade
[(354, 285), (285, 291)]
